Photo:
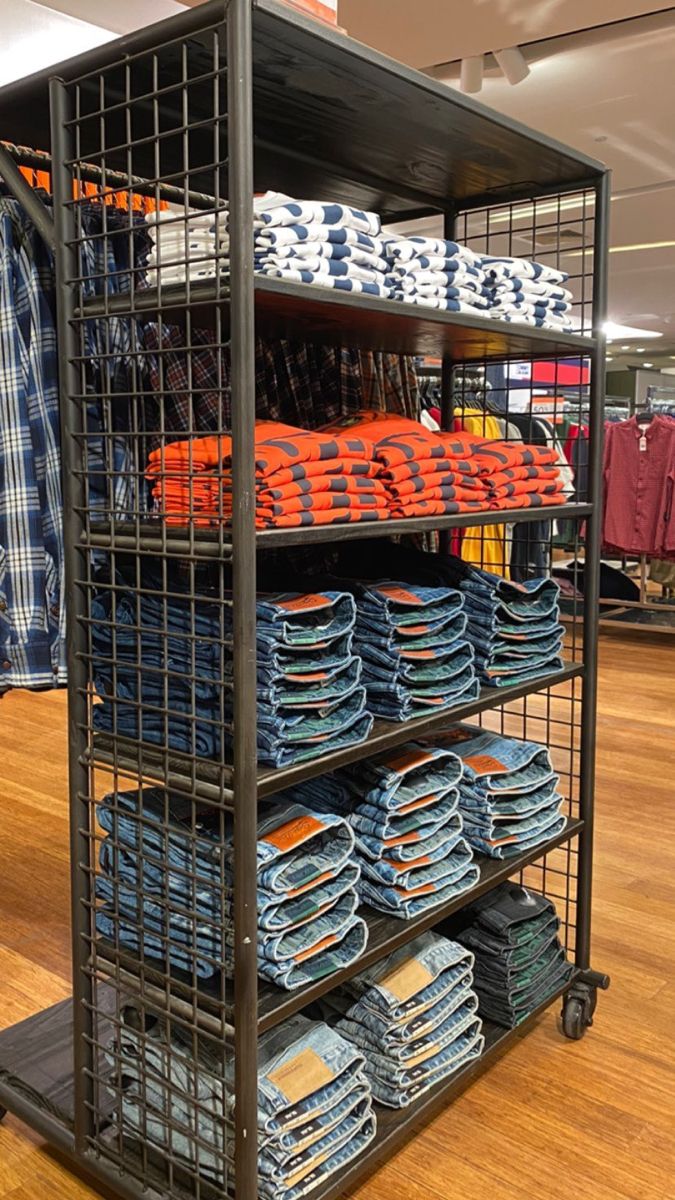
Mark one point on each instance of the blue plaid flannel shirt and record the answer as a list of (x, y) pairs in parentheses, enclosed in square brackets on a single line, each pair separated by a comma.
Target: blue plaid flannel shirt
[(32, 610)]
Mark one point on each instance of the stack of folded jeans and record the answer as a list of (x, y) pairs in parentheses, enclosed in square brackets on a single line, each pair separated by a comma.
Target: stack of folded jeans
[(315, 1111), (166, 888), (330, 245), (191, 247), (514, 628), (403, 807), (528, 293), (157, 669), (414, 1017), (508, 793), (416, 658), (311, 691), (520, 961), (303, 477), (311, 696), (437, 273)]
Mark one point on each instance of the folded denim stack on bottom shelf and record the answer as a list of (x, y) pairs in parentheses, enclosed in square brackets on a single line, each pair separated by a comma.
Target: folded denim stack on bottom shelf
[(315, 1111), (508, 793), (311, 693), (193, 246), (528, 293), (330, 245), (416, 658), (414, 1016), (514, 628), (403, 807), (303, 477), (520, 960), (166, 887), (437, 273)]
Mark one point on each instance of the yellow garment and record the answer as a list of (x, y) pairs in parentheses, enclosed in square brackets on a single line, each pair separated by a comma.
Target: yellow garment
[(485, 546)]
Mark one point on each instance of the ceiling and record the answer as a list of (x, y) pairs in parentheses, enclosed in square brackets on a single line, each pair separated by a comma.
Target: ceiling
[(601, 79), (608, 90)]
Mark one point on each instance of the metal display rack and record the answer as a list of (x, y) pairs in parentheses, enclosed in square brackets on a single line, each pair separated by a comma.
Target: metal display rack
[(220, 102)]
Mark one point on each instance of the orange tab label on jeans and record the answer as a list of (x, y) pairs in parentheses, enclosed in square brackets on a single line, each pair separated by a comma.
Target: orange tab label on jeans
[(293, 833), (303, 1074), (304, 603), (407, 762), (405, 866), (408, 979), (484, 764), (399, 594)]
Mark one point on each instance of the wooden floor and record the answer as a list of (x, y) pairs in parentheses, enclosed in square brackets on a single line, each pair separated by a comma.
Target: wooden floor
[(554, 1120)]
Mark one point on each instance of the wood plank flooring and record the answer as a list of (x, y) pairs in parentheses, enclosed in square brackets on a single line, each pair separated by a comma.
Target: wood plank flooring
[(554, 1120)]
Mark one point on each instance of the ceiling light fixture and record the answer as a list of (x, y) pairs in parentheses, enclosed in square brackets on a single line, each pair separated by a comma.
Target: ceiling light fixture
[(613, 331), (640, 246), (648, 364), (471, 74), (513, 63), (625, 347), (640, 350)]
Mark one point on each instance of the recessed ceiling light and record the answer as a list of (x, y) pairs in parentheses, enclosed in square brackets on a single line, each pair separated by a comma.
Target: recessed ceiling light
[(609, 358), (625, 347), (613, 331), (649, 364), (640, 350)]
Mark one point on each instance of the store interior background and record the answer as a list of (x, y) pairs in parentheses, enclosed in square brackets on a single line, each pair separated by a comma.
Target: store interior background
[(558, 1120)]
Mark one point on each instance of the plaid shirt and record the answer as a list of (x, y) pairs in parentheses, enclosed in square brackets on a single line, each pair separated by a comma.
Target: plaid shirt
[(301, 384), (32, 611)]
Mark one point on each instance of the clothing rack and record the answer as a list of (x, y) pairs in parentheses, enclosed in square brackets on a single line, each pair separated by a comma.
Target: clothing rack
[(237, 74)]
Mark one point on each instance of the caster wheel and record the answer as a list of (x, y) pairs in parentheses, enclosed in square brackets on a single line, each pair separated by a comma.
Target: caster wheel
[(573, 1022)]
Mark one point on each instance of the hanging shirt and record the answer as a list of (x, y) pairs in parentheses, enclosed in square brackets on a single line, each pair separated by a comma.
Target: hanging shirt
[(639, 474), (32, 617)]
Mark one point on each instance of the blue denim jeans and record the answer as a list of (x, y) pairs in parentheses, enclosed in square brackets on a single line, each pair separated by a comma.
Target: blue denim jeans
[(458, 875), (294, 619), (305, 1134), (172, 900), (395, 991), (401, 1090), (396, 780), (404, 702)]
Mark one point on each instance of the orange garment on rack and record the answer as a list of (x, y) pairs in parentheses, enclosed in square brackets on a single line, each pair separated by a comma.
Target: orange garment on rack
[(485, 545), (192, 479)]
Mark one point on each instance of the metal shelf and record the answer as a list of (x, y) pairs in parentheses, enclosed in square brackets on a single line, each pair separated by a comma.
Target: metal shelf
[(386, 934), (45, 1038), (154, 537), (405, 143), (315, 314), (212, 781)]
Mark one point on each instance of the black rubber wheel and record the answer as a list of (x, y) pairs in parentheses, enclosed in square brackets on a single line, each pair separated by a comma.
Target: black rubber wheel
[(574, 1019)]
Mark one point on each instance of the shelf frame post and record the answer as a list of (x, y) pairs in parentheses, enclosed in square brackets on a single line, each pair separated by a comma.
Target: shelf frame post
[(75, 560), (592, 574), (240, 150)]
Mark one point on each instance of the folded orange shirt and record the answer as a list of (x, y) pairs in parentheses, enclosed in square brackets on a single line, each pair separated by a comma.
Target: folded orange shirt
[(420, 485), (530, 500), (522, 487), (277, 447)]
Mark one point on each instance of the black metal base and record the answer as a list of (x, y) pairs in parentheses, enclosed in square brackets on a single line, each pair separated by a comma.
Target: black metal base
[(40, 1050)]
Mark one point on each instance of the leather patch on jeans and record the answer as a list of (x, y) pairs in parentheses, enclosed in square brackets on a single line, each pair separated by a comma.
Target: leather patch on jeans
[(408, 979), (302, 1075)]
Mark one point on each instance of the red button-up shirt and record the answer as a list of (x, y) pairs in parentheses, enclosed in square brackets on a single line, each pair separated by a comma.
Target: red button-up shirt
[(639, 471)]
